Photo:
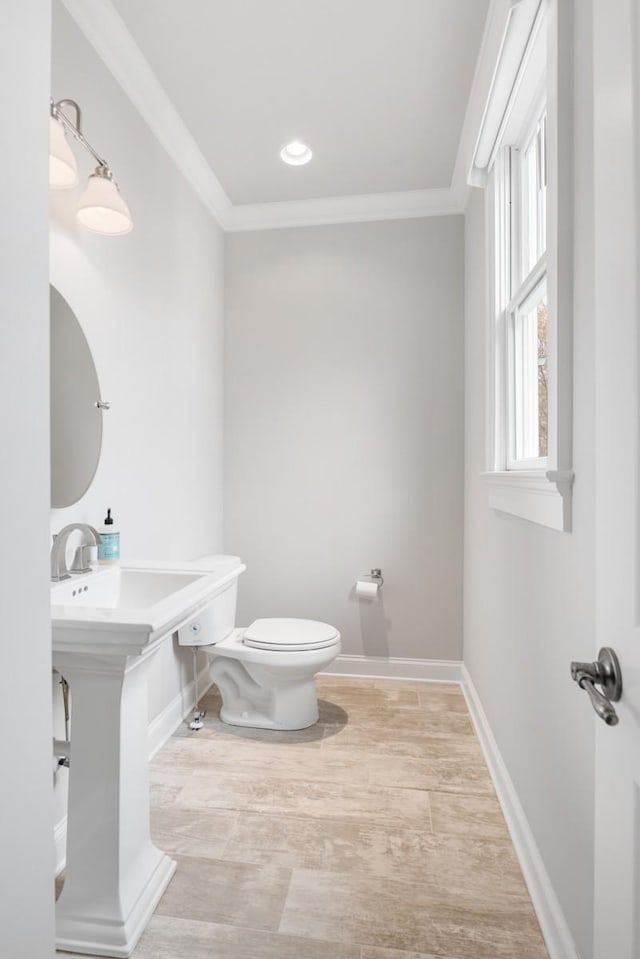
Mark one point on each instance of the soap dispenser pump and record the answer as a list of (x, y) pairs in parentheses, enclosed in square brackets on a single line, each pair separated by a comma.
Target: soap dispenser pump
[(109, 547)]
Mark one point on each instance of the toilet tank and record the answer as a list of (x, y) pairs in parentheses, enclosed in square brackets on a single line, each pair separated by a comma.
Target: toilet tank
[(218, 619)]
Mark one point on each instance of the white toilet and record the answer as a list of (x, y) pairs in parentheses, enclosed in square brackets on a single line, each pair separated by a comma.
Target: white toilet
[(265, 672)]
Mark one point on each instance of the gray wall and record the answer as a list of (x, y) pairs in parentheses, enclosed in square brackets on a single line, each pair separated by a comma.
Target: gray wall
[(26, 900), (150, 304), (529, 591), (343, 427)]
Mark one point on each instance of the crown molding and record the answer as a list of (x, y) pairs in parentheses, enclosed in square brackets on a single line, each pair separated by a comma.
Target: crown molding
[(107, 33), (341, 209)]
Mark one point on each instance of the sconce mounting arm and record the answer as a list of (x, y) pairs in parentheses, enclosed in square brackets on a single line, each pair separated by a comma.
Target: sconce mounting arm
[(75, 129)]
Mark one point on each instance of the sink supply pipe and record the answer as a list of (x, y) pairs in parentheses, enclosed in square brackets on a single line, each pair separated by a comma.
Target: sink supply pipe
[(62, 747), (198, 714), (65, 700)]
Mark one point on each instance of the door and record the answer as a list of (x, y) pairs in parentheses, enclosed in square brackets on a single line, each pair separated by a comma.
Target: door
[(616, 44)]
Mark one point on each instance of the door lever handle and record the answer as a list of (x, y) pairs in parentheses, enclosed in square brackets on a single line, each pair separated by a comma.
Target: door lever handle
[(604, 672), (600, 703)]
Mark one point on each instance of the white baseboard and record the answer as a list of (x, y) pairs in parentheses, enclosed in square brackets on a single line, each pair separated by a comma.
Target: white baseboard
[(160, 730), (381, 667), (557, 936)]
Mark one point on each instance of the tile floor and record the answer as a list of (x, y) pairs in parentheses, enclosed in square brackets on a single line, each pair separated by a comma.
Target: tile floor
[(376, 834)]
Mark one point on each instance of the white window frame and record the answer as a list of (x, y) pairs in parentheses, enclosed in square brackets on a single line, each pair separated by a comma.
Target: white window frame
[(538, 489), (518, 412)]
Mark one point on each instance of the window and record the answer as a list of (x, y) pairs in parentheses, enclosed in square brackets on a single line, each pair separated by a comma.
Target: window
[(529, 372), (525, 280)]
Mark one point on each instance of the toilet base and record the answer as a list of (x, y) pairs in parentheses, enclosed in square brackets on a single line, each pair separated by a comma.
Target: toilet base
[(289, 706), (260, 721), (251, 697)]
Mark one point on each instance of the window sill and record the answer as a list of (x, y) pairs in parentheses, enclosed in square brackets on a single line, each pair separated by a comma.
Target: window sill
[(539, 496)]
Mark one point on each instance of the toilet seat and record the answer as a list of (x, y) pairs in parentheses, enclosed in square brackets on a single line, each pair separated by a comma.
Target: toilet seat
[(290, 635)]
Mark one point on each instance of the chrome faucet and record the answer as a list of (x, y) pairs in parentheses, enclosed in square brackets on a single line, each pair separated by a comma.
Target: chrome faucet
[(59, 568)]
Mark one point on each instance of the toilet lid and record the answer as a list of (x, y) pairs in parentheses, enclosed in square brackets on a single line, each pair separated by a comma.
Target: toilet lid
[(290, 634)]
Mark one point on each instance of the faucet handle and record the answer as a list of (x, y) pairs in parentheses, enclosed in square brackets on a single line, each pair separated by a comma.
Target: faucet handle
[(81, 559)]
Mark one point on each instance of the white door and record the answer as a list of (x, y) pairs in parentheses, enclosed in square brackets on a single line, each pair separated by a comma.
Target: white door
[(616, 43)]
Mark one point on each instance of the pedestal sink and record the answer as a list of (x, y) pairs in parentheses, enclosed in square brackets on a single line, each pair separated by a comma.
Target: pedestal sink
[(107, 625)]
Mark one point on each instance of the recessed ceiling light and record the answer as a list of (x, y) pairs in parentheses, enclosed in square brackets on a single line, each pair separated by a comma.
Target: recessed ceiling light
[(296, 153)]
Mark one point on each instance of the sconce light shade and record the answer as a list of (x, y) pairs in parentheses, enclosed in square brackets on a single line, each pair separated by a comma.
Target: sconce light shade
[(101, 208), (63, 169)]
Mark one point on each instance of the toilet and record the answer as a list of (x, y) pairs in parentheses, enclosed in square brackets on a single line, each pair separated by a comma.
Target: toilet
[(265, 672)]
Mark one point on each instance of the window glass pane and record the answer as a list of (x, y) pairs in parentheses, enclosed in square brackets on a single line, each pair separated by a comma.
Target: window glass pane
[(543, 379), (530, 379), (529, 214), (542, 191), (533, 185)]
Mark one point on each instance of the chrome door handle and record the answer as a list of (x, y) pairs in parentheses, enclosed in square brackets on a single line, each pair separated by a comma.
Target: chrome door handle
[(600, 703), (605, 672)]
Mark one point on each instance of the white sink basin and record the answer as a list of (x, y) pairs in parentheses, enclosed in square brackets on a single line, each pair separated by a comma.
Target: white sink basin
[(131, 608), (132, 589)]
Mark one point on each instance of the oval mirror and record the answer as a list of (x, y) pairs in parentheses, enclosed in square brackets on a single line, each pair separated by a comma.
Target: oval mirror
[(76, 422)]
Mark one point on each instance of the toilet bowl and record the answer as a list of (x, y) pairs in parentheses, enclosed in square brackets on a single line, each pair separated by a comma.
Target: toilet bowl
[(266, 671)]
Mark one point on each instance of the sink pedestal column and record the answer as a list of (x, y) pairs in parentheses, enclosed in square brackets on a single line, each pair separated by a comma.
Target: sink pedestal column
[(114, 875)]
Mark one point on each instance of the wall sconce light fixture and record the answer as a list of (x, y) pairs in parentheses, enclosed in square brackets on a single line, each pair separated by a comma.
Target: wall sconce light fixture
[(100, 208)]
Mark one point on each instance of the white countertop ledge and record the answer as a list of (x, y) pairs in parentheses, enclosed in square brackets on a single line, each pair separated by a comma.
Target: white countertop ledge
[(121, 608)]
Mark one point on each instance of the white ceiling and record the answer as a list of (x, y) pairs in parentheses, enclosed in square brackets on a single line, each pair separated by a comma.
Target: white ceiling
[(377, 88)]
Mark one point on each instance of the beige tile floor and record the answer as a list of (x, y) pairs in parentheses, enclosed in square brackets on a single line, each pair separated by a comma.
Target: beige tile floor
[(376, 834)]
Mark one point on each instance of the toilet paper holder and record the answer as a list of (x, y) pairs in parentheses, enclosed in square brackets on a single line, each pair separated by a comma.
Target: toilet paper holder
[(375, 576)]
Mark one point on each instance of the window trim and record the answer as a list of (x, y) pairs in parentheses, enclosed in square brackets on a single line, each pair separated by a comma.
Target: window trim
[(542, 495)]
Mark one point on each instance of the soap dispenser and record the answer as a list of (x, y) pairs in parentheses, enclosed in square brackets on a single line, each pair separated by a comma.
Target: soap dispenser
[(109, 547)]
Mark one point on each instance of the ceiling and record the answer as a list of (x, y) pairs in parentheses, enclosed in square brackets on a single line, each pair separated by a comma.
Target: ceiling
[(376, 88)]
